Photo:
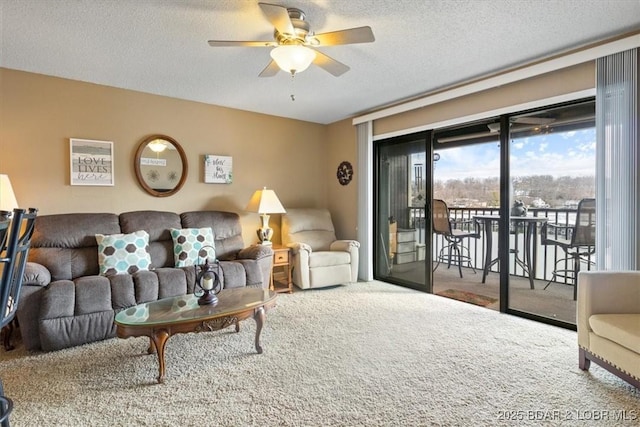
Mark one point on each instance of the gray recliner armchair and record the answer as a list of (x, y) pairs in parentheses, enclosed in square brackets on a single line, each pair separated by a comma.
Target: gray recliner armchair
[(319, 259)]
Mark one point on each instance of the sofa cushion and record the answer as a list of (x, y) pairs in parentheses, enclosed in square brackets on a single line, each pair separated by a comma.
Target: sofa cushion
[(173, 282), (123, 253), (62, 332), (66, 244), (192, 246), (311, 226), (329, 259), (92, 294), (123, 293), (623, 329), (232, 274)]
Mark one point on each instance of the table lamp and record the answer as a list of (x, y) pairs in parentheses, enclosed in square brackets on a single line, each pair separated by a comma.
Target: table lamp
[(265, 202), (8, 200)]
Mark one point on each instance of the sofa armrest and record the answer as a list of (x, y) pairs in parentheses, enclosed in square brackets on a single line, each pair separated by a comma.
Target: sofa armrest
[(605, 292), (344, 245), (298, 247), (35, 275), (255, 252), (353, 247)]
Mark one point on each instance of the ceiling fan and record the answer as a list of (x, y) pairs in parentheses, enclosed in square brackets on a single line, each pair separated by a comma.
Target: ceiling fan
[(520, 123), (294, 42), (533, 120)]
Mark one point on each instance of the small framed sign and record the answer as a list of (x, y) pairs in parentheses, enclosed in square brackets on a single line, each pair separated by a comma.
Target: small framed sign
[(218, 169), (91, 162)]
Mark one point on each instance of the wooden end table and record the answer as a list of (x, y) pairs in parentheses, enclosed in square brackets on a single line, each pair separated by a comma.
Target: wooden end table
[(161, 319), (282, 260)]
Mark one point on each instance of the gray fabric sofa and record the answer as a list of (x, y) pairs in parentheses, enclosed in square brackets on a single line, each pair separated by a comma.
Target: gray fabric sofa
[(65, 302)]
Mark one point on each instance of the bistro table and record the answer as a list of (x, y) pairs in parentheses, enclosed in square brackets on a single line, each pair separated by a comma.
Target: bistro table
[(530, 224)]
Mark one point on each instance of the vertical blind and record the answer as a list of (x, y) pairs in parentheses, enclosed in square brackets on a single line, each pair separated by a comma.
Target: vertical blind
[(618, 157), (364, 135)]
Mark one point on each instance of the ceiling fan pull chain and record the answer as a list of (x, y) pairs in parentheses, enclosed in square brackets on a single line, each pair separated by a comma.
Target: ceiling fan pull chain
[(293, 96)]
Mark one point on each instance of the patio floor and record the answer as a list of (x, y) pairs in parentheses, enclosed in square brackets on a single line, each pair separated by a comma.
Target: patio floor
[(555, 302)]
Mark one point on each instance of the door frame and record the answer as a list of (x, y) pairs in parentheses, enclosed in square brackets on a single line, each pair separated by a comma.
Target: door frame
[(426, 136)]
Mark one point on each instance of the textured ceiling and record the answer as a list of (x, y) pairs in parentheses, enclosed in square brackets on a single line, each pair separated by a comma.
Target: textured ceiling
[(160, 46)]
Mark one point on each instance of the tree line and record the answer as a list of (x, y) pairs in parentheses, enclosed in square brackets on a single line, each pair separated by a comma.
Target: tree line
[(545, 191)]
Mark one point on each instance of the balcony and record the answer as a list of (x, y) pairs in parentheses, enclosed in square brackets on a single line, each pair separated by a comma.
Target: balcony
[(556, 301)]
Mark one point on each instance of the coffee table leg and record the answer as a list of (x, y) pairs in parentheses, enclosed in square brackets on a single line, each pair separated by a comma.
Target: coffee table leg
[(259, 318), (159, 341), (152, 346)]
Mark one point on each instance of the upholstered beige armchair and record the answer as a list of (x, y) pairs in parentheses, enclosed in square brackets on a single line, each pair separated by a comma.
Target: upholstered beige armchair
[(609, 322), (319, 259)]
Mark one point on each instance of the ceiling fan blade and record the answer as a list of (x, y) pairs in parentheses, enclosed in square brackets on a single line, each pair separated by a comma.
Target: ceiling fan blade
[(350, 36), (224, 43), (270, 70), (329, 64), (278, 16)]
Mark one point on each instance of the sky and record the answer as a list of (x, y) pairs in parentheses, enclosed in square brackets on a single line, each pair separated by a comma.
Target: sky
[(570, 153)]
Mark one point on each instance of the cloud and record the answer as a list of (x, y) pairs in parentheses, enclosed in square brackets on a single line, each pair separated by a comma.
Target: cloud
[(565, 154)]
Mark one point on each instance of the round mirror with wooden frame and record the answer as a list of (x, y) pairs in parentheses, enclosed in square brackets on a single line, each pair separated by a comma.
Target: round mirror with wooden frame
[(161, 165)]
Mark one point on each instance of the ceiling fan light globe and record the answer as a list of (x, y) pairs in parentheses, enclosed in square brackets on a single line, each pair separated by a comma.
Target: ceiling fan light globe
[(157, 146), (293, 58)]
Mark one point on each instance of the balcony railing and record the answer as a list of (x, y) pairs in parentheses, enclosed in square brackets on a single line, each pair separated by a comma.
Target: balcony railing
[(544, 257)]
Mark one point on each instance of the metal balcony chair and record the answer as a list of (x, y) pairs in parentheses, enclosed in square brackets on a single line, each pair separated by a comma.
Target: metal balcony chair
[(578, 242), (454, 251), (13, 258), (6, 405), (4, 233), (12, 263)]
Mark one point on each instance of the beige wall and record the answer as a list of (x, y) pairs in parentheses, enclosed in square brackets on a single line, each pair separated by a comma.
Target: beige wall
[(343, 199), (561, 82), (38, 115)]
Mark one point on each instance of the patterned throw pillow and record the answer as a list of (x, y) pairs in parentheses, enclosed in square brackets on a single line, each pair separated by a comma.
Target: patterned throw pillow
[(123, 253), (189, 246)]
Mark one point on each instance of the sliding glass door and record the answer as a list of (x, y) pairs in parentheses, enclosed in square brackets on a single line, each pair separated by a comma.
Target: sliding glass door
[(498, 213), (552, 199), (466, 182), (402, 190)]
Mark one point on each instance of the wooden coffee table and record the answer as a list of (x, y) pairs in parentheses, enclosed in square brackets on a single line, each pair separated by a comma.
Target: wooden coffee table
[(161, 319)]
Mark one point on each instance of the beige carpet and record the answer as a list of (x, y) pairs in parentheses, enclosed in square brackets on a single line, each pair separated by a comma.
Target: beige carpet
[(369, 354)]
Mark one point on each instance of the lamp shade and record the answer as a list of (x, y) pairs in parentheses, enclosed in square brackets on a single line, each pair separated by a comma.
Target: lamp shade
[(8, 200), (293, 58), (265, 202)]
